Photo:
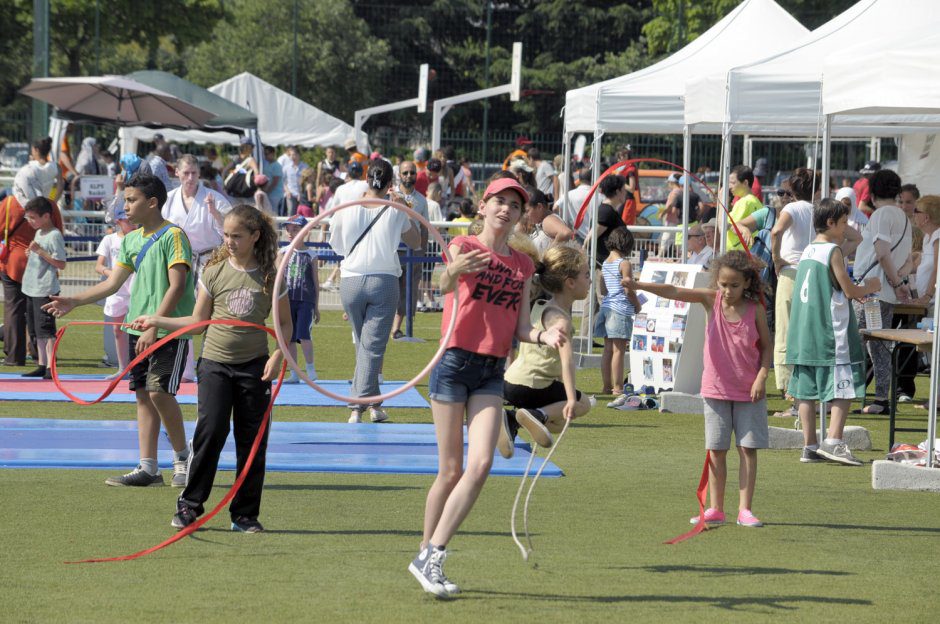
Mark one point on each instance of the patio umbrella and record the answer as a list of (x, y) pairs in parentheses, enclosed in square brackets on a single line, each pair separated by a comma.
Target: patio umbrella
[(118, 99)]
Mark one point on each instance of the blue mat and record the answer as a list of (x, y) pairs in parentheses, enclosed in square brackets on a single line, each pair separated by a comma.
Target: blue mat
[(292, 447), (291, 394)]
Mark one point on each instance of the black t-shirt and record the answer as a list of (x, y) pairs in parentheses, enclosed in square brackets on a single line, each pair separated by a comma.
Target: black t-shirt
[(610, 219)]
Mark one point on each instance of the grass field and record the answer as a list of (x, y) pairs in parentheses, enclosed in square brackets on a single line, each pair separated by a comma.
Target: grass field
[(337, 545)]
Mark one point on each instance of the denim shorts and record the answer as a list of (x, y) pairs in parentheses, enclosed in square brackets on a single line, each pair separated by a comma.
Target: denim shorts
[(618, 326), (460, 374)]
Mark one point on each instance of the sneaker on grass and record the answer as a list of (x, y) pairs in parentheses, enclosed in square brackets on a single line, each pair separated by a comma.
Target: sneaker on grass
[(355, 417), (136, 478), (244, 524), (535, 426), (377, 415), (747, 519), (712, 517), (810, 456), (619, 400), (180, 473), (183, 517), (838, 453), (428, 568)]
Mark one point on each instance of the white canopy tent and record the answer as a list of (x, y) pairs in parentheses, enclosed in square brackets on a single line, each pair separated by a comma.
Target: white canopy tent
[(782, 94), (896, 79), (651, 100), (282, 119)]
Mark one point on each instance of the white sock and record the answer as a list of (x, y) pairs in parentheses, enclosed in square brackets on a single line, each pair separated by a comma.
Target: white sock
[(149, 466), (835, 441), (311, 372)]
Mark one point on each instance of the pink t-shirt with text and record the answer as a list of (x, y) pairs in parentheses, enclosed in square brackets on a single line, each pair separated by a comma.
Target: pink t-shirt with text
[(490, 301)]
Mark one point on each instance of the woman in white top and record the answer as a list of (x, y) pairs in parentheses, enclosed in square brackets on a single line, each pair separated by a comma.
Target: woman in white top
[(792, 232), (927, 218), (541, 225), (367, 238)]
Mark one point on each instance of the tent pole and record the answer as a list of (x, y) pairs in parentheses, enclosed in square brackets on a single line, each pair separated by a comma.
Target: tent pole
[(595, 202), (932, 403), (722, 242), (687, 165), (564, 187), (826, 155)]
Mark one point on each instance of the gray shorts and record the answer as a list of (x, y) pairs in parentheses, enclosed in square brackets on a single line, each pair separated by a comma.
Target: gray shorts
[(748, 420)]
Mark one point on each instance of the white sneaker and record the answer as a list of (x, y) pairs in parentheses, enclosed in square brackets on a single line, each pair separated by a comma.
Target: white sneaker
[(311, 373), (904, 398), (355, 417), (378, 415), (292, 378), (838, 453), (619, 401)]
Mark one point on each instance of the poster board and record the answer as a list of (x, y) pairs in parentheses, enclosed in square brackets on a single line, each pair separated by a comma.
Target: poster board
[(664, 330), (96, 187)]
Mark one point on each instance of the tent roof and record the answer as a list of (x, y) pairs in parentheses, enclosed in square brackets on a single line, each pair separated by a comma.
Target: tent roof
[(229, 116), (651, 99), (282, 118), (904, 67), (782, 93)]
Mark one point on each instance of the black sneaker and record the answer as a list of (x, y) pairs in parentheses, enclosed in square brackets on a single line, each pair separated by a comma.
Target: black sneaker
[(535, 426), (136, 478), (183, 517), (36, 372), (244, 524), (506, 441)]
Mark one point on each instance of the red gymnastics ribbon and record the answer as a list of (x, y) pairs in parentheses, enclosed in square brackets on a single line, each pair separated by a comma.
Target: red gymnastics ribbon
[(146, 353), (703, 481)]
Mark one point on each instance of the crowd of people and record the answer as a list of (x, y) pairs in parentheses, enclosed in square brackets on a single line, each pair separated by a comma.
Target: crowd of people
[(207, 247)]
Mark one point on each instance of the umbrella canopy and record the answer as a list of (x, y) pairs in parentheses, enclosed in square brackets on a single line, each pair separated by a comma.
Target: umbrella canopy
[(117, 99), (228, 115)]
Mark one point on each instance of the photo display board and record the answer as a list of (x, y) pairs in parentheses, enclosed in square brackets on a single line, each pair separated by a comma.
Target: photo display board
[(665, 329)]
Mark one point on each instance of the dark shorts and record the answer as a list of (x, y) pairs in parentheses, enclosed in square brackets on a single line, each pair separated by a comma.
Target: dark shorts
[(162, 370), (534, 398), (460, 374), (301, 315), (39, 323)]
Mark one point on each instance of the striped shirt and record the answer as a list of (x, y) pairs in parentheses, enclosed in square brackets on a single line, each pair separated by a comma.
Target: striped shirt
[(616, 298)]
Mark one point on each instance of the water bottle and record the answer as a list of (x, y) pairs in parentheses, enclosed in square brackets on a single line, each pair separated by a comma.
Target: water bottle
[(872, 310)]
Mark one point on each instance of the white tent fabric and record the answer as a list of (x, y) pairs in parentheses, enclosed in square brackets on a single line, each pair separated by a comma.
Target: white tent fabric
[(282, 118), (782, 94), (651, 100)]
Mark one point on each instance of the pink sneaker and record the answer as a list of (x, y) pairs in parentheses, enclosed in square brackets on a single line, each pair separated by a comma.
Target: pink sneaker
[(747, 519), (712, 516)]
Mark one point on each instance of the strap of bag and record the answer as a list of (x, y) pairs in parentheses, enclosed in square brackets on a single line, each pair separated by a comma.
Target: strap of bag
[(366, 231), (7, 232), (143, 250), (858, 280)]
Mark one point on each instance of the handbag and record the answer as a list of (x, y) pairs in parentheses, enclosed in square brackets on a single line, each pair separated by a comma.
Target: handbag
[(240, 182)]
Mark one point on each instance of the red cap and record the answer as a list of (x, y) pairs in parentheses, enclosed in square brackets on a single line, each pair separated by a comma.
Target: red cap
[(523, 140), (505, 184)]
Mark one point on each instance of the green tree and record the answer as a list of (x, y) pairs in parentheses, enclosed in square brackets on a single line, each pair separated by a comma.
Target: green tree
[(16, 49), (340, 65)]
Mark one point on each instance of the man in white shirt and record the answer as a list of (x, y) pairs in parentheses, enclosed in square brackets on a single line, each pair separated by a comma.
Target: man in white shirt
[(199, 212), (292, 168), (700, 252), (885, 253), (575, 197)]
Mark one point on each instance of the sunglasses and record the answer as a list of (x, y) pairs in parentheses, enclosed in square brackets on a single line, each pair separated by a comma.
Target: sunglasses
[(916, 211), (782, 192), (696, 235), (408, 173)]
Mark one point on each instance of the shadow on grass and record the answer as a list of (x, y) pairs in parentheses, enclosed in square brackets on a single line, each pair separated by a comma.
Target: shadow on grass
[(858, 527), (365, 532), (341, 487), (730, 603), (580, 425), (719, 570)]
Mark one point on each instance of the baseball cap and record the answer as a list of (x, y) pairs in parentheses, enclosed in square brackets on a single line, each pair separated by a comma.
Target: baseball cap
[(505, 184), (130, 163), (871, 166), (523, 140), (760, 169), (354, 168), (350, 144), (435, 165), (297, 219), (519, 163), (421, 154), (712, 223), (673, 177)]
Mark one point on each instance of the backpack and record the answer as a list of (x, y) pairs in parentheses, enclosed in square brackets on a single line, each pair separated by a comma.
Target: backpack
[(760, 248)]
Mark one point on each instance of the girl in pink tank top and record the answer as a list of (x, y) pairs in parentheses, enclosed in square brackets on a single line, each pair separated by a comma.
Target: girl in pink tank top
[(738, 351)]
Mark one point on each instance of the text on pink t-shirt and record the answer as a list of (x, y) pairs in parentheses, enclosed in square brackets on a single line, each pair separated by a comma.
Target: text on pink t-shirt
[(490, 301)]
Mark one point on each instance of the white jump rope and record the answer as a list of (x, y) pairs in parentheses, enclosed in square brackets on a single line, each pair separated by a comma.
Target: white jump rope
[(526, 551)]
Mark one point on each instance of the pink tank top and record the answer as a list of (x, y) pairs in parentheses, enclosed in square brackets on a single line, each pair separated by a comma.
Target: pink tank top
[(732, 355)]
